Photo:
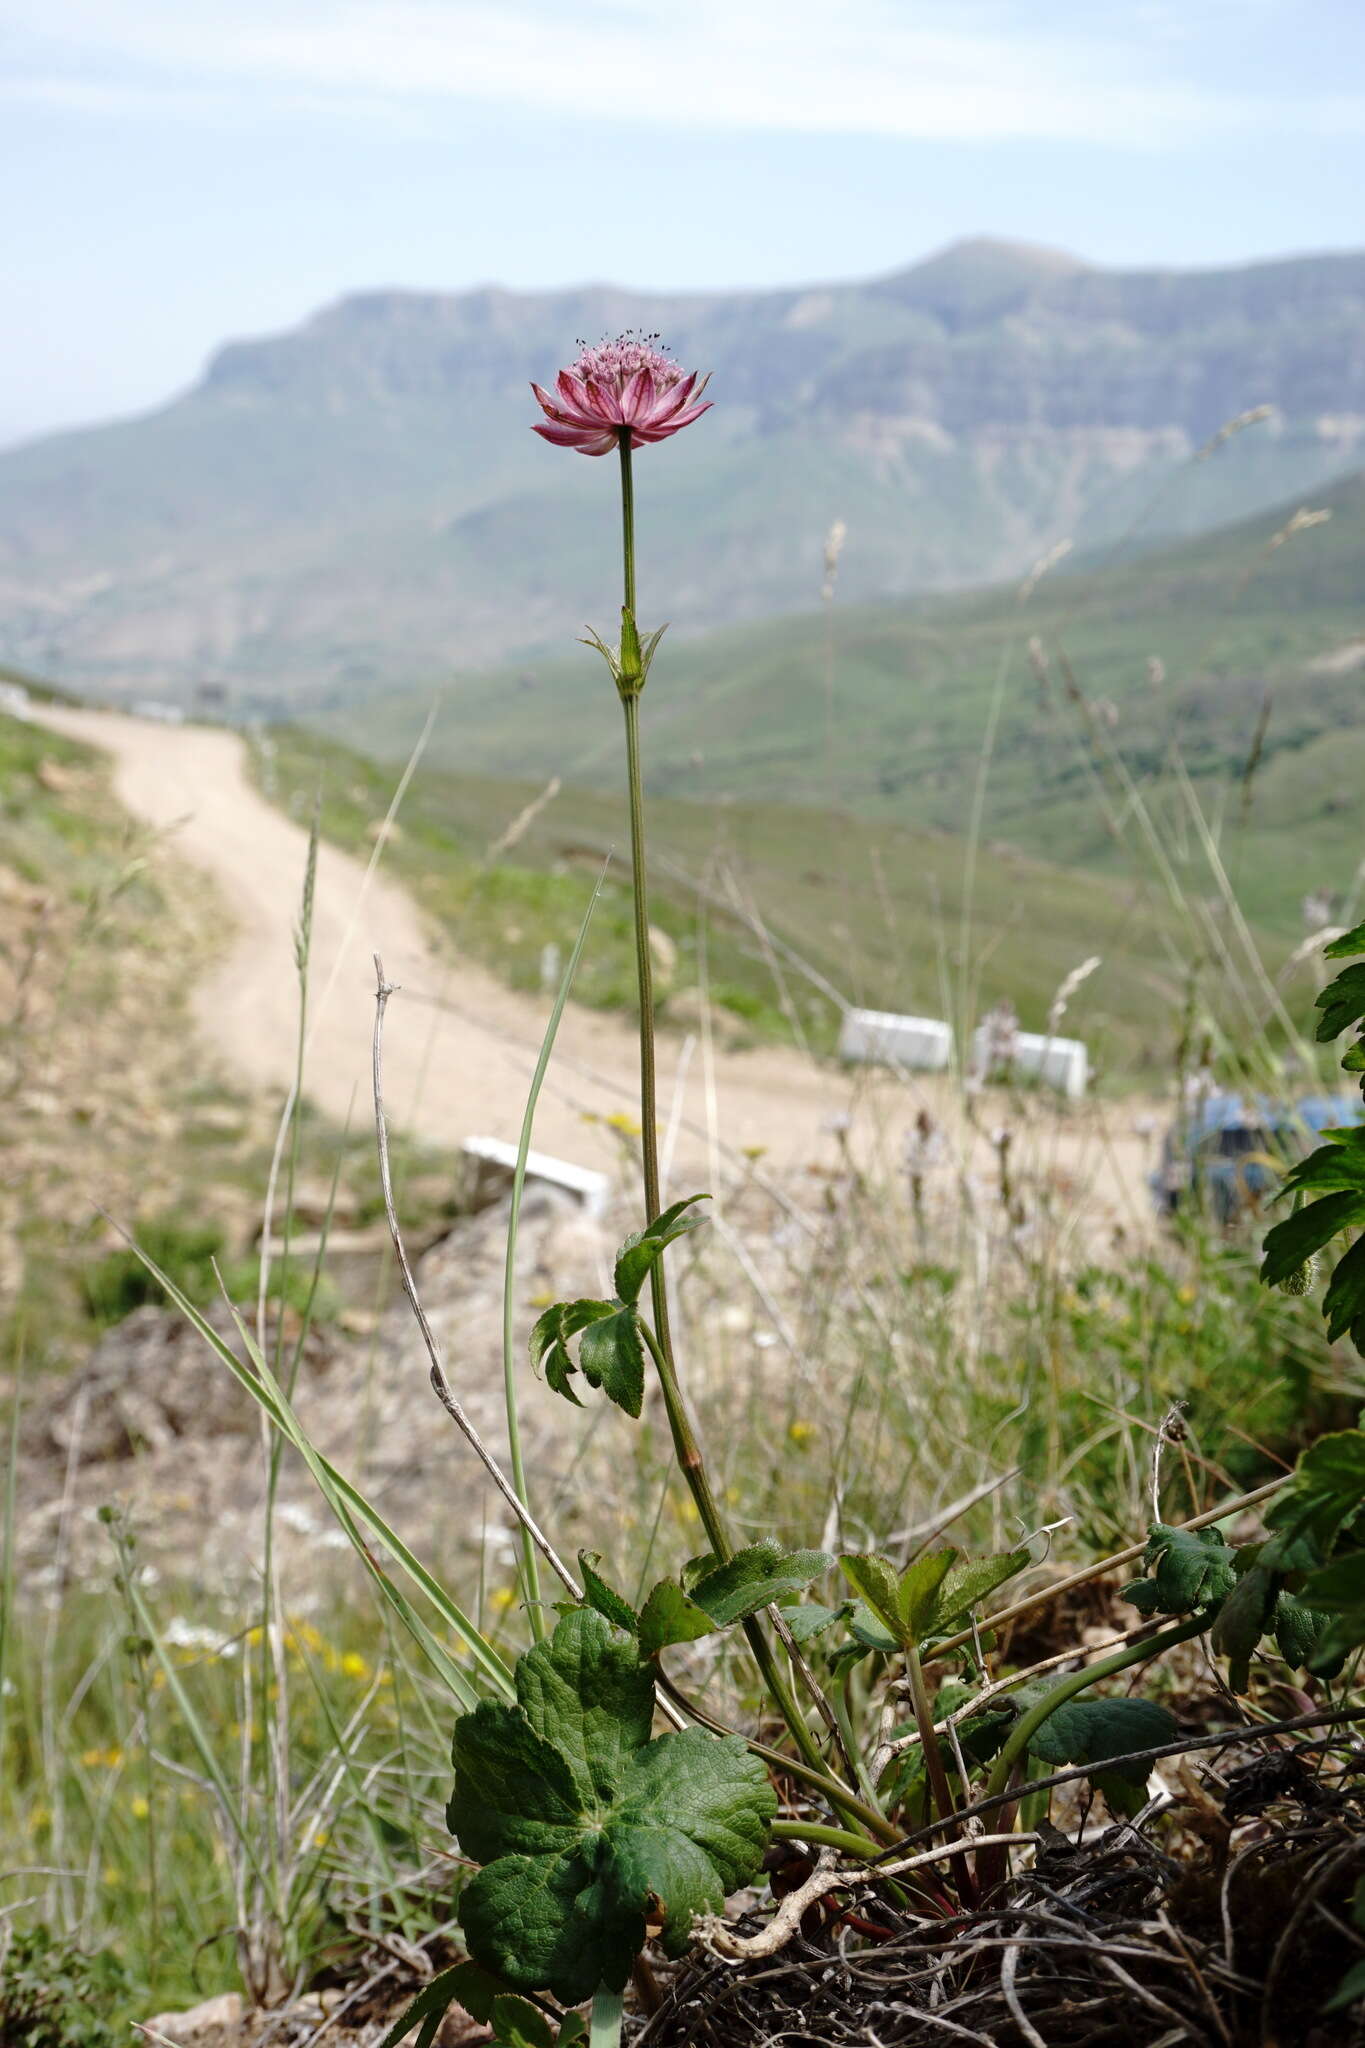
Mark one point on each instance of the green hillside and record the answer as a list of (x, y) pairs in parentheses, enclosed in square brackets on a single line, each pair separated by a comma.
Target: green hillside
[(772, 906), (886, 710)]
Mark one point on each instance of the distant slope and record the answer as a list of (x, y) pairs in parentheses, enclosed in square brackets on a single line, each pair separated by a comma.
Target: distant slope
[(359, 503), (893, 918), (886, 708)]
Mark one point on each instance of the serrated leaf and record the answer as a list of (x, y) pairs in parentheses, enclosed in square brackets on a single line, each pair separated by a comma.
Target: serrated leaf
[(604, 1598), (668, 1616), (868, 1631), (1350, 942), (1338, 1586), (1344, 1302), (516, 2024), (980, 1738), (1242, 1620), (549, 1341), (475, 1990), (877, 1580), (640, 1252), (968, 1583), (585, 1826), (612, 1356), (1327, 1489), (1189, 1568), (921, 1589), (1300, 1237), (1299, 1628), (756, 1577), (1097, 1731), (1332, 1168), (436, 1998), (810, 1620), (1341, 1003)]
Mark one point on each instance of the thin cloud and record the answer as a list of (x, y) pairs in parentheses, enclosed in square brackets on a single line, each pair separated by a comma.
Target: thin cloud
[(975, 72)]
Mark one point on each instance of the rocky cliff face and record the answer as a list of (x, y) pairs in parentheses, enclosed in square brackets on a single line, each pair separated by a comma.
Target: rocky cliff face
[(359, 502)]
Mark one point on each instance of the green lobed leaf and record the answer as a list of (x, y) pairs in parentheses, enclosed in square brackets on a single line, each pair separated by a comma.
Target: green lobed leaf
[(1327, 1489), (810, 1620), (1350, 942), (475, 1989), (968, 1583), (1299, 1628), (1188, 1568), (756, 1577), (1334, 1167), (1097, 1731), (517, 2024), (1339, 1586), (550, 1337), (875, 1577), (867, 1630), (921, 1589), (604, 1598), (612, 1356), (585, 1826), (1341, 1003), (640, 1252), (1343, 1305), (433, 2001), (980, 1738), (1298, 1238), (1242, 1620), (584, 1690), (668, 1616), (1335, 1597)]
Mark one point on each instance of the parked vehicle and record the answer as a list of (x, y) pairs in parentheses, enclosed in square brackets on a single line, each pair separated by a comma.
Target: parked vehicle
[(1226, 1154)]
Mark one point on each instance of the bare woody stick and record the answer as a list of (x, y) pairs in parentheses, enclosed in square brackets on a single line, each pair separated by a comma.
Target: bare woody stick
[(445, 1393)]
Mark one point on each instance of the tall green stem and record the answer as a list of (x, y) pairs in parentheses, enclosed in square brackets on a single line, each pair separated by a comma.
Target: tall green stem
[(934, 1766), (685, 1445)]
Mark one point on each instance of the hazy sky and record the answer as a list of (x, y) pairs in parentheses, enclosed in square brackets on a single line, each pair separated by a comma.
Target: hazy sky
[(176, 172)]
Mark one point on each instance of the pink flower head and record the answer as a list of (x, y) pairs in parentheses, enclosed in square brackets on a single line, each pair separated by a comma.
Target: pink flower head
[(627, 387)]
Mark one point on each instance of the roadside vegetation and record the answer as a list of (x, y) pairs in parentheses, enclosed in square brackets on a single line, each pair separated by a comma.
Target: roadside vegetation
[(896, 1495)]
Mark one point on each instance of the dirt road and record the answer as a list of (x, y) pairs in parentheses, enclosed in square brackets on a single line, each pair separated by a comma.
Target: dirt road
[(460, 1046)]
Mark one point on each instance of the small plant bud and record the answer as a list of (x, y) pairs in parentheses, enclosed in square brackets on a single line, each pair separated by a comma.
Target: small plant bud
[(1300, 1281)]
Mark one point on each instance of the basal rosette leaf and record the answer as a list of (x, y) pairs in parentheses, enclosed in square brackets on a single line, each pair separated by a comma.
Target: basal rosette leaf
[(1097, 1731), (690, 1826), (585, 1826)]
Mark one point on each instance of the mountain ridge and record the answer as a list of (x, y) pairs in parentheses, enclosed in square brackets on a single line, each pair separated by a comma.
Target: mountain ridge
[(357, 501)]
